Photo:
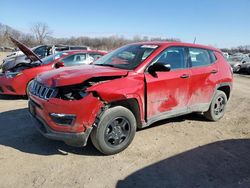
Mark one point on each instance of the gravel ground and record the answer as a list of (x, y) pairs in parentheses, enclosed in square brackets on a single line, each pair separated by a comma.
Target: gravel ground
[(181, 152)]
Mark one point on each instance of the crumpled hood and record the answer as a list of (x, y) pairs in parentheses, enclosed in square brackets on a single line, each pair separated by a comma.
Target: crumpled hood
[(77, 74), (28, 52)]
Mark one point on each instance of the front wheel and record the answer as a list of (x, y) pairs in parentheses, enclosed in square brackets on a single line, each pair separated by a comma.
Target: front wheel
[(217, 107), (248, 69), (115, 131)]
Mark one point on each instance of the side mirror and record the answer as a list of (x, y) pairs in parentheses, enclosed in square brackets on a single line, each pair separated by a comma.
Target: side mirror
[(159, 67), (59, 64)]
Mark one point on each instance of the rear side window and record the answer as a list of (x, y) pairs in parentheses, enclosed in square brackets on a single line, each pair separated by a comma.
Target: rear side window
[(175, 56), (41, 51), (199, 57)]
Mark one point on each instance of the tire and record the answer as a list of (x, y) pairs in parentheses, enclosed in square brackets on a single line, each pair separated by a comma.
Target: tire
[(115, 131), (237, 69), (248, 70), (217, 107)]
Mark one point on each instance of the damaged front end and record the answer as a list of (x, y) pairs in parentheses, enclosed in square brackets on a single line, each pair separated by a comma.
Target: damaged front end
[(71, 92), (67, 109)]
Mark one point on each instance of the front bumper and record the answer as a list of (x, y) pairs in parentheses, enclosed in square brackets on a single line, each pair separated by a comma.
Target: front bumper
[(76, 134), (13, 86), (72, 139)]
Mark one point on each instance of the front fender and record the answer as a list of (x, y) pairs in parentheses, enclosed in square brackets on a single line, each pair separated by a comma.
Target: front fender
[(121, 89)]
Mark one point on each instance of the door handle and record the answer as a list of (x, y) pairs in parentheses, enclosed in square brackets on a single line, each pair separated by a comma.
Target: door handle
[(185, 76), (214, 71)]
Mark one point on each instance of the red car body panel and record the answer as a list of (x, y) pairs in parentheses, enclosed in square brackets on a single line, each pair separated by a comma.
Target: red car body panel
[(14, 86), (168, 93), (74, 75), (112, 91), (19, 83)]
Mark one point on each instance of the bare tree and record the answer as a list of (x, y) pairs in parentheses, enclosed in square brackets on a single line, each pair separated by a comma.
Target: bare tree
[(41, 31)]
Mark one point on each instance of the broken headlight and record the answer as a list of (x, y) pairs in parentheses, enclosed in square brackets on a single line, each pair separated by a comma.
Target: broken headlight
[(75, 92)]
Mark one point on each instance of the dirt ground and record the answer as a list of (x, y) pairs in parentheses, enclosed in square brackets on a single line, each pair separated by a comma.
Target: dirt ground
[(181, 152)]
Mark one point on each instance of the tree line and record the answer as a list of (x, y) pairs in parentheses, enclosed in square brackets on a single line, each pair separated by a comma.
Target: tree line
[(240, 49), (41, 34)]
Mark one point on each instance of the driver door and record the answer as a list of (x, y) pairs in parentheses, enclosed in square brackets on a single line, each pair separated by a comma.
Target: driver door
[(168, 92)]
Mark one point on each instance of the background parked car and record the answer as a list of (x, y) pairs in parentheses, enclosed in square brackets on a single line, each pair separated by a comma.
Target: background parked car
[(16, 76), (41, 51), (239, 63)]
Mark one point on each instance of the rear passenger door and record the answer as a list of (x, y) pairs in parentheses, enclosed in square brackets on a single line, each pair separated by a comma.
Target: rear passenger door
[(203, 77)]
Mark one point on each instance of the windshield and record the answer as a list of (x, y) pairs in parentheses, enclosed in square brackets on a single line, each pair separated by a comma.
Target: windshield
[(127, 57), (53, 57)]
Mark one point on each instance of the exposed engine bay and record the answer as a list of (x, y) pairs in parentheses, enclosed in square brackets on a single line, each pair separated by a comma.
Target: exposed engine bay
[(19, 67), (77, 92)]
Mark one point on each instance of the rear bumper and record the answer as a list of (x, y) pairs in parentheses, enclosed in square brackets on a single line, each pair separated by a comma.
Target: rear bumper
[(72, 139)]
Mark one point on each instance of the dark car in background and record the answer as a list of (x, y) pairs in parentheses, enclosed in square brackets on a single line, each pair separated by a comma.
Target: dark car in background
[(239, 63)]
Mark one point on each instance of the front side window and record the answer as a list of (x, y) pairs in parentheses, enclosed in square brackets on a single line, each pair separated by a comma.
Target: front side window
[(41, 51), (76, 59), (199, 57), (53, 57), (174, 56), (127, 57)]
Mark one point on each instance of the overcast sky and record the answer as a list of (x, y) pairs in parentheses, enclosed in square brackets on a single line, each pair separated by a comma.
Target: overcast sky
[(221, 23)]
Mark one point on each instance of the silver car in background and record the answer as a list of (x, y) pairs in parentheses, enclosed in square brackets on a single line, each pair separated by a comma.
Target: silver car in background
[(240, 63)]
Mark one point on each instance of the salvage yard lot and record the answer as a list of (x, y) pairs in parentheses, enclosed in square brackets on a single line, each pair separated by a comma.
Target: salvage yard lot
[(181, 152)]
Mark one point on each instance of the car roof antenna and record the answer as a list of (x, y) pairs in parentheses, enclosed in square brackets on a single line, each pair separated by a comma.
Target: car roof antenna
[(194, 40)]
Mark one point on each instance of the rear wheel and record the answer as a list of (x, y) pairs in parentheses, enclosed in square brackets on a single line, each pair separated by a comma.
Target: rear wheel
[(115, 131), (237, 69), (217, 106), (248, 70)]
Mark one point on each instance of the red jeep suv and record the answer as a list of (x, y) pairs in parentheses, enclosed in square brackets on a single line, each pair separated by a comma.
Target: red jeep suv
[(128, 89)]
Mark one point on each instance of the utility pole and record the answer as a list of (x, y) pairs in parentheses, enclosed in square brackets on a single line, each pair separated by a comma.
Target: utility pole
[(194, 40)]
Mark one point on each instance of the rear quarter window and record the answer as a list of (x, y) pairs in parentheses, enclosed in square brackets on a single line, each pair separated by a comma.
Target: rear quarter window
[(212, 56)]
